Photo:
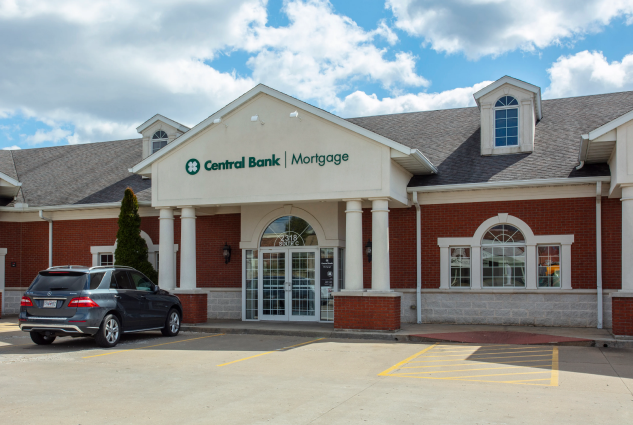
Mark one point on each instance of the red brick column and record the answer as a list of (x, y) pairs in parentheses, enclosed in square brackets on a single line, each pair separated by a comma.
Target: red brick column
[(194, 307), (622, 309), (367, 311)]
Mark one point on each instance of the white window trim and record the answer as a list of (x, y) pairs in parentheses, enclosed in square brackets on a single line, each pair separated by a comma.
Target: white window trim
[(531, 242), (506, 149)]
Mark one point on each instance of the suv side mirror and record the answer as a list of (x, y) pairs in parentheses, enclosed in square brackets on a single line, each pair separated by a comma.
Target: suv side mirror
[(155, 288)]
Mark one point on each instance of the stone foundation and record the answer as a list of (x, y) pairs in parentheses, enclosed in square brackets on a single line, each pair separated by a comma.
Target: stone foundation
[(367, 311), (224, 304), (522, 309), (11, 301)]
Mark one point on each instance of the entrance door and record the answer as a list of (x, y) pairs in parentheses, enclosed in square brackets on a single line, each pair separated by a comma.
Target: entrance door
[(288, 284)]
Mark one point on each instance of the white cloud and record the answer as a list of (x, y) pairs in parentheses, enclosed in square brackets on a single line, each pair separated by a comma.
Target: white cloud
[(105, 66), (11, 148), (362, 104), (589, 73), (492, 27), (41, 136)]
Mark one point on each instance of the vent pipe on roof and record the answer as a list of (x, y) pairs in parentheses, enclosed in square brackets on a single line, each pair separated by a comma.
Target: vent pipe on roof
[(50, 238)]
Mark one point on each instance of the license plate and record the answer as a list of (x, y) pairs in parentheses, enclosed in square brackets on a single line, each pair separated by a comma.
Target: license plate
[(50, 303)]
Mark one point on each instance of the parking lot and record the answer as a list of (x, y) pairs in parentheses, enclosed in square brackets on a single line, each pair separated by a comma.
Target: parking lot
[(217, 378)]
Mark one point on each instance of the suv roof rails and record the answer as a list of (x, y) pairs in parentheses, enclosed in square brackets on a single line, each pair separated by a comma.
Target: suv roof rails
[(112, 267), (68, 267)]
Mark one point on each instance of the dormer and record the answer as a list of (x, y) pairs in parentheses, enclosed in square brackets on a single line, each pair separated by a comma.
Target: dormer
[(157, 132), (510, 109)]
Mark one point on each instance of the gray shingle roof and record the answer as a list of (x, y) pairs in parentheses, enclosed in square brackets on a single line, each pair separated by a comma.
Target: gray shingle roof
[(6, 164), (450, 138), (80, 174)]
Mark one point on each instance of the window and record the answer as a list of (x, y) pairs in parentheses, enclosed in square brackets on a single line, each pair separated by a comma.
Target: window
[(95, 279), (503, 257), (159, 141), (460, 267), (327, 284), (289, 231), (106, 259), (548, 266), (140, 282), (120, 280), (506, 122), (252, 285)]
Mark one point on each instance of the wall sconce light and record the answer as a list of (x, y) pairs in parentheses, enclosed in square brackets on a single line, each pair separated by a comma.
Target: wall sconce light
[(255, 118), (368, 250), (226, 253), (217, 121), (295, 114)]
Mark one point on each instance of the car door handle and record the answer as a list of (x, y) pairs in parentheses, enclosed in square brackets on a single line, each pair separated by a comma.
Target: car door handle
[(117, 296)]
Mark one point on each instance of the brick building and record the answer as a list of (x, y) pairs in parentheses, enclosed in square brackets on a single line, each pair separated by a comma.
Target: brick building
[(515, 211)]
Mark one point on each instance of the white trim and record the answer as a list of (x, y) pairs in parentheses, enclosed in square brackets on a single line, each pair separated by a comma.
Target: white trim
[(531, 243), (509, 184), (159, 117), (611, 125), (71, 207), (260, 88), (512, 81), (10, 180)]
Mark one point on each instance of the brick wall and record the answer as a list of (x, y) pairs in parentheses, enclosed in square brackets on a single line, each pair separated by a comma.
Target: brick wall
[(212, 232), (622, 310), (194, 308), (372, 313)]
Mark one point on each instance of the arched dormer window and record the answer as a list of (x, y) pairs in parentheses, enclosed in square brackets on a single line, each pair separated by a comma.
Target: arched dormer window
[(159, 141), (506, 122), (503, 257)]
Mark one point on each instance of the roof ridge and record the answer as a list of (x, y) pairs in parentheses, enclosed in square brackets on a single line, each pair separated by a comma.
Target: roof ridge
[(81, 144)]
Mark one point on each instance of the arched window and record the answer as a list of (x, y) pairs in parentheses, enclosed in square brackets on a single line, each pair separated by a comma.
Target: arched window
[(289, 231), (159, 141), (503, 257), (506, 122)]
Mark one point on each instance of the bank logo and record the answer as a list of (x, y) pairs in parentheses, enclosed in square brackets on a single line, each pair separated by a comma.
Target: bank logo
[(193, 166)]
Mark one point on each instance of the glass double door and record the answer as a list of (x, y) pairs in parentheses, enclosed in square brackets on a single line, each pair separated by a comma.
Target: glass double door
[(288, 286)]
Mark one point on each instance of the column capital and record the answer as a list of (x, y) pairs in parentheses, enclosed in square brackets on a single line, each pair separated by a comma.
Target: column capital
[(187, 212), (380, 198), (166, 214), (352, 199)]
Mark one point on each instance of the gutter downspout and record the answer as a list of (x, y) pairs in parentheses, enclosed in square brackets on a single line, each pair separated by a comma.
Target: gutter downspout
[(599, 250), (418, 245), (50, 238)]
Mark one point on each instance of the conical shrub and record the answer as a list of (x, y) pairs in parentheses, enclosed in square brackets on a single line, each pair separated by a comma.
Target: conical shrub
[(131, 249)]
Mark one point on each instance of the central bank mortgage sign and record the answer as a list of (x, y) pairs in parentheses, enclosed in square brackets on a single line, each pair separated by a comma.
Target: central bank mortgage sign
[(193, 165)]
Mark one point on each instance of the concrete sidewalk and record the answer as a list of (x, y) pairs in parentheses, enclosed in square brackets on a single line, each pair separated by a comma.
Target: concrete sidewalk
[(410, 332)]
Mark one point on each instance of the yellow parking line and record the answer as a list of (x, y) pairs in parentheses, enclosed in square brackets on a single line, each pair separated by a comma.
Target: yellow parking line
[(486, 350), (470, 376), (468, 370), (269, 352), (466, 364), (500, 352), (150, 346), (554, 378), (484, 358), (407, 360)]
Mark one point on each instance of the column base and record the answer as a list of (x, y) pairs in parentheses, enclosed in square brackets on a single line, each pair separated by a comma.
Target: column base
[(622, 313), (194, 305), (378, 311)]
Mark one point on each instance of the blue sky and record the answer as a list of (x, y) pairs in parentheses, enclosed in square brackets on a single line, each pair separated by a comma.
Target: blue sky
[(78, 72)]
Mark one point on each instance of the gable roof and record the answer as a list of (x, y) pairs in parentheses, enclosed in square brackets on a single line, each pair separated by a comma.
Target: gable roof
[(89, 173), (159, 117), (418, 157), (513, 81), (450, 138)]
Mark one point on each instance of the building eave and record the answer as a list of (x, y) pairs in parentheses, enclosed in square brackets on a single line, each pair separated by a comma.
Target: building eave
[(509, 184), (159, 117), (71, 207)]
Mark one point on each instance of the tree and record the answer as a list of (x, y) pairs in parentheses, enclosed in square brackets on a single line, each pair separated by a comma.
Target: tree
[(131, 249)]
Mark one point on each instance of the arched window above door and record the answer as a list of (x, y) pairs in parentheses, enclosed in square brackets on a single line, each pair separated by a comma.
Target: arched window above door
[(289, 231)]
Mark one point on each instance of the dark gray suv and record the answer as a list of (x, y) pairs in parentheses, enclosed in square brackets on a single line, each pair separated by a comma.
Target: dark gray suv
[(102, 302)]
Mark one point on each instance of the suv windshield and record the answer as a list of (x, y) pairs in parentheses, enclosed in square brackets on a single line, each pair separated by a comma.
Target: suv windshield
[(59, 281)]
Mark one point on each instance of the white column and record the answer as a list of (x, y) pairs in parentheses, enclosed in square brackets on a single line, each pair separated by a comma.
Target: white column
[(166, 264), (187, 248), (354, 245), (380, 277), (627, 239)]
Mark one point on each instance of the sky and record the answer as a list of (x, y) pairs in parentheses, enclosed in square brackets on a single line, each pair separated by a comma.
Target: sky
[(75, 71)]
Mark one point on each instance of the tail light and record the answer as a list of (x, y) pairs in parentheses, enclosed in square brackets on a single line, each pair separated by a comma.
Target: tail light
[(26, 302), (82, 302)]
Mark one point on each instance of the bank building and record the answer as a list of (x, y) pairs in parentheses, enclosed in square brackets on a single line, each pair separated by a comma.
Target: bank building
[(517, 211)]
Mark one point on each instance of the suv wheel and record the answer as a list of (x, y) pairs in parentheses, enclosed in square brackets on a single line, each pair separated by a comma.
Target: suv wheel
[(172, 324), (41, 339), (109, 333)]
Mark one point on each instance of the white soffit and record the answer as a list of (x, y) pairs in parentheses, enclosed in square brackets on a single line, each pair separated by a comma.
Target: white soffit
[(261, 88), (415, 162), (597, 146), (509, 184), (159, 117), (518, 83), (9, 187)]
